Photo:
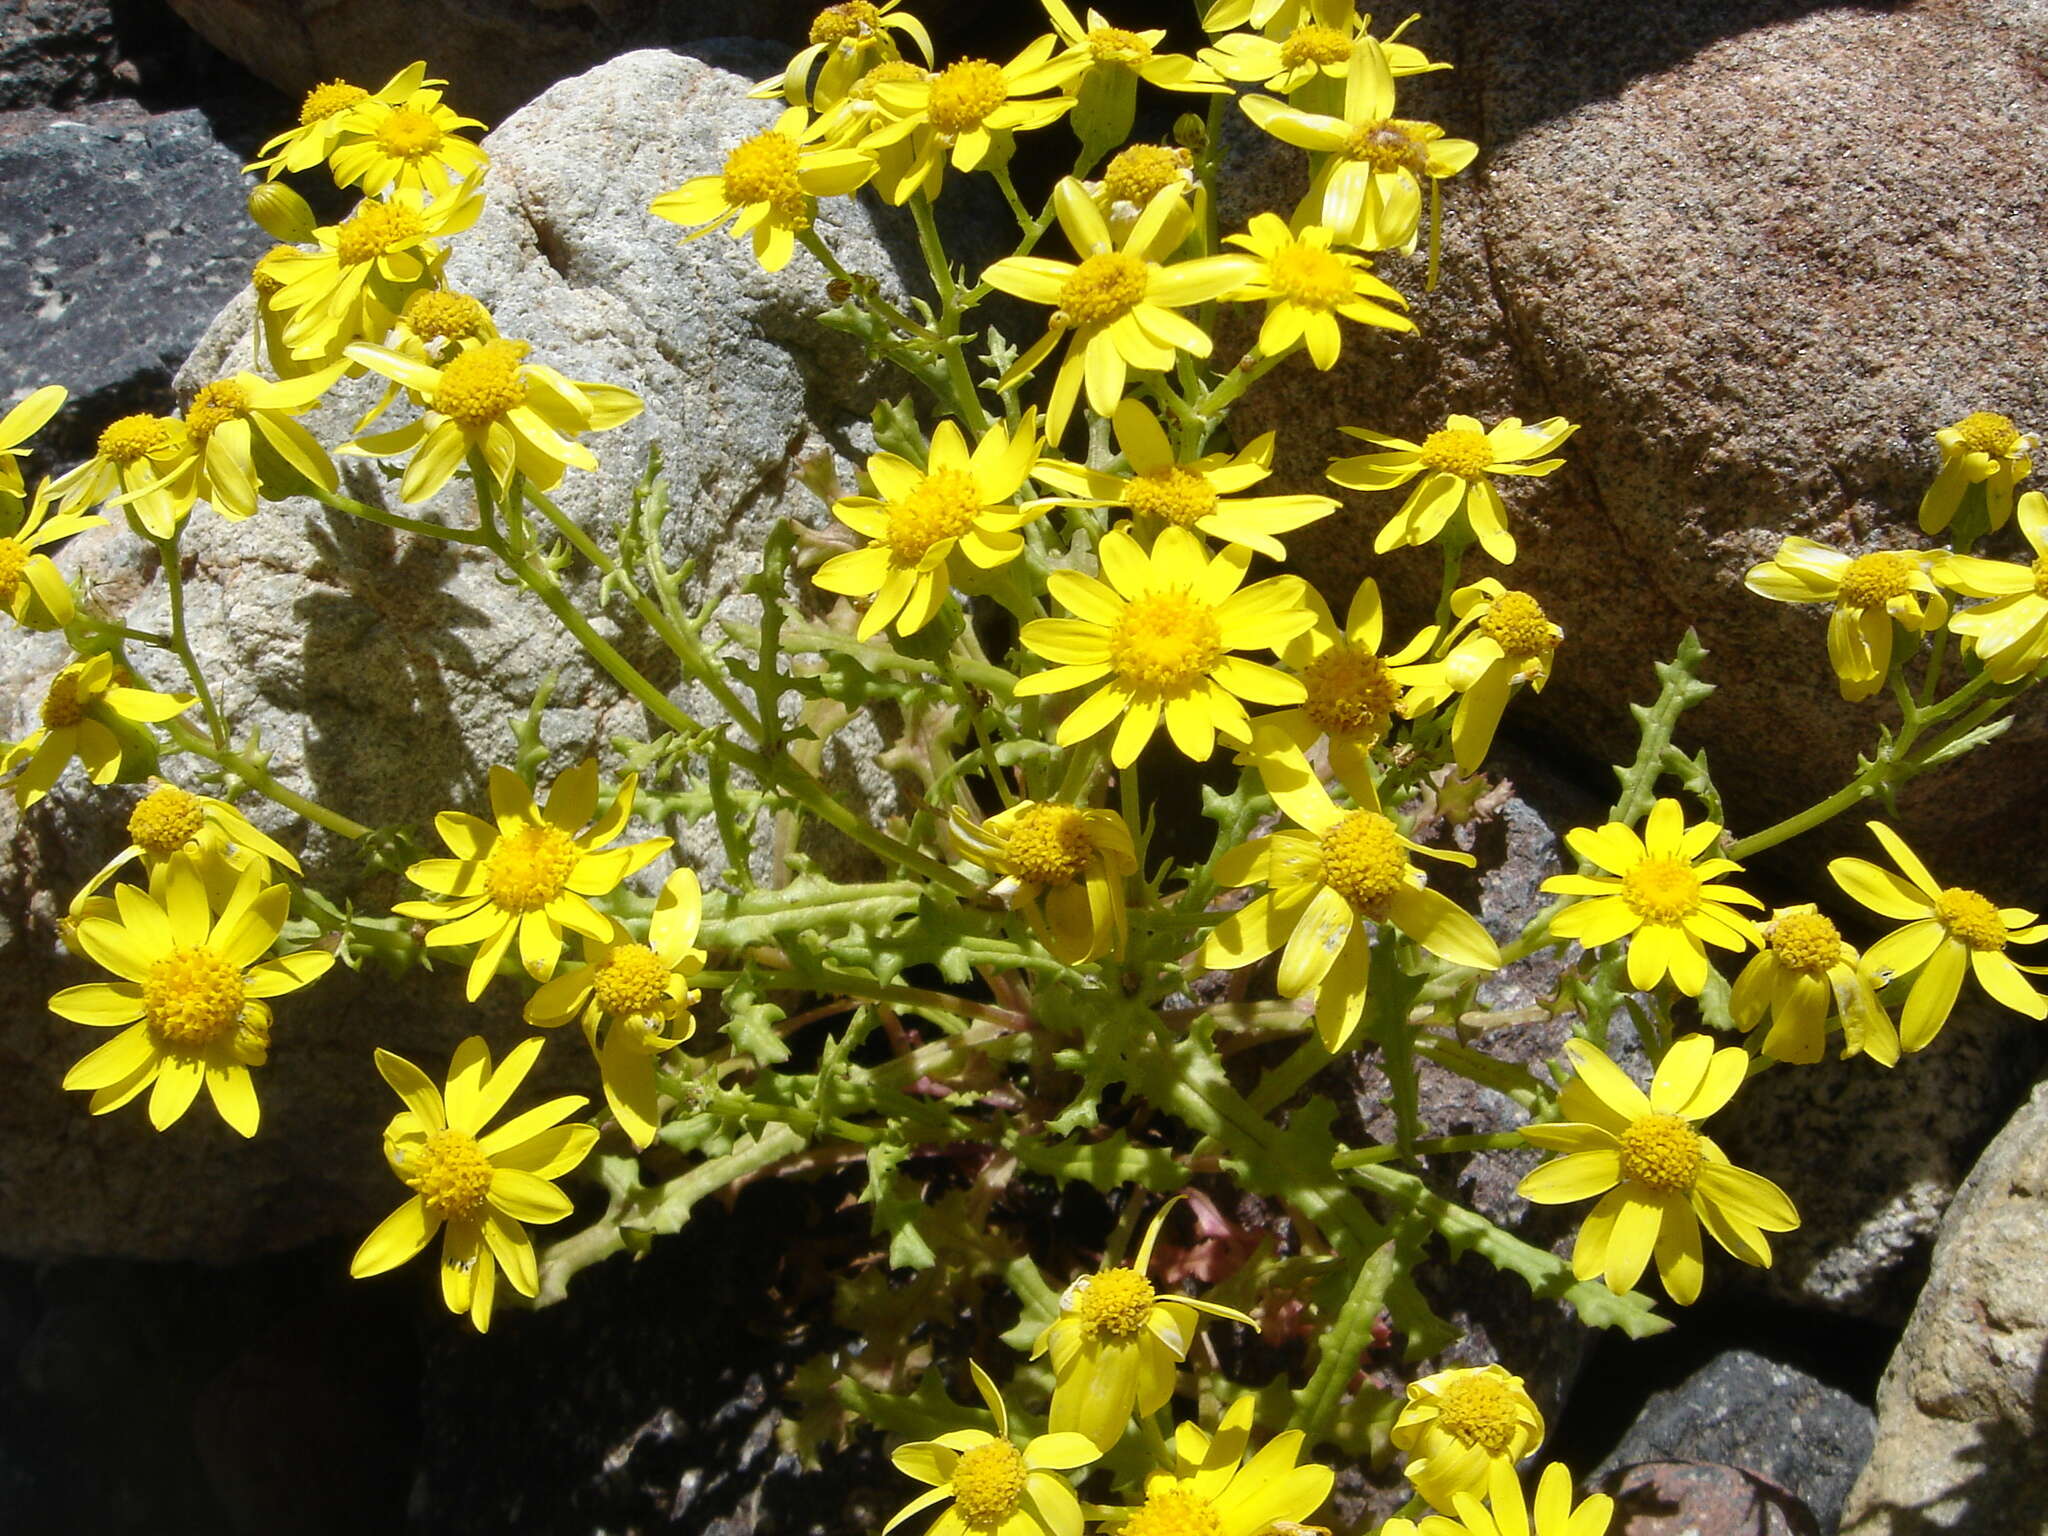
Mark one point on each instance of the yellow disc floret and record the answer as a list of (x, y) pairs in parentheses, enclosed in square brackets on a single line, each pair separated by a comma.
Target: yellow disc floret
[(1117, 45), (192, 997), (1315, 279), (375, 229), (1180, 496), (165, 820), (1105, 287), (845, 23), (450, 1172), (1871, 581), (437, 314), (1806, 942), (965, 93), (1457, 451), (1165, 643), (1661, 890), (1481, 1409), (62, 704), (530, 868), (214, 407), (1364, 862), (1388, 145), (1350, 691), (1971, 918), (13, 561), (763, 169), (988, 1482), (1989, 432), (943, 507), (1312, 44), (1050, 845), (1661, 1152), (630, 980), (1115, 1304), (409, 134), (1142, 171), (327, 99), (1174, 1512), (133, 438), (1517, 623), (479, 386)]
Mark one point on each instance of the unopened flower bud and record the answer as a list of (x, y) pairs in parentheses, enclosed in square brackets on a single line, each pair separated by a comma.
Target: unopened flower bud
[(281, 213), (1191, 132)]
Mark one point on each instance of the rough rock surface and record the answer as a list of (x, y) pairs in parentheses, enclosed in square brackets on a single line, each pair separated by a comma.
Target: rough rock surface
[(1761, 251), (382, 669), (1960, 1418), (1699, 1498), (1774, 1420), (56, 52)]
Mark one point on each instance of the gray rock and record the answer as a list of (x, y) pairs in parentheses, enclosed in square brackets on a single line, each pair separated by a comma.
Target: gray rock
[(54, 53), (1960, 1443), (1699, 1498), (1745, 1411)]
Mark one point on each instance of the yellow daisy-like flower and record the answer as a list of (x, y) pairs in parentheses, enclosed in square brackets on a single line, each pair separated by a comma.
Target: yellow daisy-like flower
[(1986, 449), (847, 123), (769, 188), (32, 589), (1064, 866), (1659, 891), (1331, 879), (1457, 1426), (1658, 1177), (1116, 308), (1161, 492), (1158, 635), (1869, 592), (1097, 48), (2008, 634), (238, 423), (361, 272), (1554, 1513), (1803, 973), (1369, 186), (1117, 1343), (1353, 691), (136, 461), (481, 1185), (325, 114), (189, 1002), (520, 416), (416, 142), (1500, 638), (23, 421), (1306, 286), (1949, 930), (1218, 1487), (170, 822), (531, 875), (966, 115), (847, 42), (92, 712), (991, 1487), (1455, 462), (1317, 44), (959, 505), (435, 325), (641, 995), (1135, 175)]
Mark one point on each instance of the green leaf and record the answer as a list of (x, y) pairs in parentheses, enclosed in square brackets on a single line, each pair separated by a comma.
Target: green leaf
[(1110, 1163)]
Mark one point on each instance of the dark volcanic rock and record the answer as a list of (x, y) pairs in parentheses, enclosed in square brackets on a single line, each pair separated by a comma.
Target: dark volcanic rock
[(54, 53)]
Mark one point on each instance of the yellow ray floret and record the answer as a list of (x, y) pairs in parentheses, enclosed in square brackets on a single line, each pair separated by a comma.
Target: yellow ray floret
[(1869, 592), (2009, 633), (1658, 1177), (1219, 1486), (23, 421), (1511, 1514), (1803, 974), (991, 1486), (1456, 464), (32, 589), (91, 711), (482, 1186), (1064, 866), (1501, 638), (769, 188), (1353, 691), (1983, 449), (1457, 1426)]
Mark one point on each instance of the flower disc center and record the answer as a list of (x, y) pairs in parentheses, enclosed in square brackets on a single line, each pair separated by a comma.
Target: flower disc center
[(1661, 1152), (192, 997), (1115, 1303), (1661, 890), (1050, 845), (1971, 918), (530, 868), (451, 1174), (1165, 643), (1181, 496), (1364, 862)]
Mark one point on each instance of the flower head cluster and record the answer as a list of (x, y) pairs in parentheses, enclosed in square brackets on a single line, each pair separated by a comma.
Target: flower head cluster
[(1986, 451), (1869, 593), (1501, 638), (1802, 976), (32, 589), (1455, 464), (990, 1485), (769, 188), (1353, 691), (1064, 865), (328, 114), (91, 711), (1218, 1486), (1458, 1426)]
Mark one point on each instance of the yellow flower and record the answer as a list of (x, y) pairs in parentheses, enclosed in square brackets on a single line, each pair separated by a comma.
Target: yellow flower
[(1803, 973), (482, 1185), (995, 1489), (1064, 866), (32, 589), (1986, 449), (1306, 286), (1658, 1177), (1268, 15), (190, 994), (1116, 307), (1331, 879), (1501, 638), (22, 422), (170, 822), (1457, 1426), (1159, 491), (228, 420), (852, 39), (1368, 188), (1659, 887), (965, 115), (324, 115), (1158, 636), (488, 399), (769, 188), (1101, 49), (1135, 175), (1949, 930), (137, 460), (2009, 634), (1868, 593), (1458, 459), (416, 142), (640, 993), (959, 505), (1317, 43), (91, 712), (1117, 1343), (847, 123), (435, 325), (365, 268), (531, 875), (1214, 1489), (1510, 1515), (1353, 692)]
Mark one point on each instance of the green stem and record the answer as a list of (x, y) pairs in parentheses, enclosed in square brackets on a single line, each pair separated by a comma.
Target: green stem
[(1496, 1141), (259, 779), (174, 584), (1389, 991), (865, 288), (403, 524)]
